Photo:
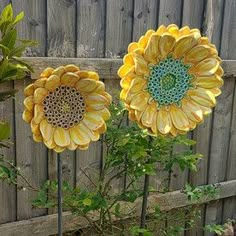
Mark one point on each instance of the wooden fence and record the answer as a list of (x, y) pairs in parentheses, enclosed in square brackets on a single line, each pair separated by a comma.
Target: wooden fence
[(104, 28)]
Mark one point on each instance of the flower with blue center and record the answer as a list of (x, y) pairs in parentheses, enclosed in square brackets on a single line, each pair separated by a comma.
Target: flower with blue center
[(170, 79)]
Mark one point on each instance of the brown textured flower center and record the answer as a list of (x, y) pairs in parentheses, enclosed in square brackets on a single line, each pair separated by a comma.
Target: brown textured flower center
[(64, 107)]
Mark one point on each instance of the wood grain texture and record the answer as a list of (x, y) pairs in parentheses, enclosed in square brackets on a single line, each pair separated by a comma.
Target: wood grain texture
[(228, 45), (30, 157), (47, 225), (219, 146), (145, 17), (192, 13), (228, 41), (34, 24), (8, 192), (61, 43), (119, 20), (91, 28), (61, 28), (170, 12)]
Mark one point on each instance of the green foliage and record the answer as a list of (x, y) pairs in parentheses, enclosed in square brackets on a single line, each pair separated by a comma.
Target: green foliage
[(12, 67), (195, 194), (131, 153), (214, 228)]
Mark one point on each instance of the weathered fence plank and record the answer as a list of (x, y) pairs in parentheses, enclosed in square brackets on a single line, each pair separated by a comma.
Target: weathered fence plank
[(47, 225), (61, 43), (91, 28), (30, 157)]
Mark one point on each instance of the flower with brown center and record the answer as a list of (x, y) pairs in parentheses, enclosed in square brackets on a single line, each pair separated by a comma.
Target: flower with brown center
[(66, 108)]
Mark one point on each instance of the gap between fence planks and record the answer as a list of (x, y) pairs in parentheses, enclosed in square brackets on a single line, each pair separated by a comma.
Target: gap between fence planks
[(106, 67), (47, 225)]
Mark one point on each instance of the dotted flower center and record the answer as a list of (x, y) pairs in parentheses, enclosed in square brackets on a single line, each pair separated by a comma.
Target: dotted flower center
[(64, 107), (169, 81)]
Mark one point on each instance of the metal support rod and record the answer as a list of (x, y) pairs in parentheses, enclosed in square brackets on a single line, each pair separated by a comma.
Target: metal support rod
[(59, 194), (144, 204)]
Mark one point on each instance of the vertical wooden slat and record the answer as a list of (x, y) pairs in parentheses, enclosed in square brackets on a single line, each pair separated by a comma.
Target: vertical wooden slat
[(212, 26), (170, 12), (90, 43), (228, 51), (30, 156), (7, 193), (61, 41), (119, 20), (192, 16), (90, 28), (145, 17)]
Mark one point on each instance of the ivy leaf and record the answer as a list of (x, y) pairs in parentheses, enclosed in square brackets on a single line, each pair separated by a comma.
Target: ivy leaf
[(87, 202), (9, 39), (18, 18), (4, 131)]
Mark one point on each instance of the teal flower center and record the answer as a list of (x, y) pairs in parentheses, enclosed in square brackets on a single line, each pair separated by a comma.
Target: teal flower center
[(168, 82)]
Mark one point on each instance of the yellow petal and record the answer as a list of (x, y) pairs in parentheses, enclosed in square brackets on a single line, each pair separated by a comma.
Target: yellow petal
[(215, 91), (206, 110), (46, 130), (196, 33), (184, 30), (58, 149), (72, 146), (83, 147), (128, 59), (139, 101), (38, 113), (29, 103), (59, 71), (132, 46), (47, 72), (199, 52), (125, 70), (39, 95), (125, 82), (183, 45), (78, 134), (29, 90), (206, 67), (179, 119), (95, 98), (137, 84), (86, 85), (192, 110), (202, 96), (123, 94), (61, 137), (137, 115), (93, 135), (27, 115), (93, 120), (100, 87), (50, 143), (164, 124), (69, 79), (34, 127), (149, 33), (161, 30), (102, 129), (148, 114), (71, 68), (141, 66), (173, 30), (52, 83), (209, 81), (40, 83), (151, 51), (142, 42), (220, 71), (105, 114), (37, 138), (204, 41), (88, 74), (166, 44)]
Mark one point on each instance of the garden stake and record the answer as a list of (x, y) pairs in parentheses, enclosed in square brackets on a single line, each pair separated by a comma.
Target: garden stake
[(59, 194), (144, 204)]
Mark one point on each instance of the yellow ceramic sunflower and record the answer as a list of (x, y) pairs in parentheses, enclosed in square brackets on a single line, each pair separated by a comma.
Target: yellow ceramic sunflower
[(170, 79), (67, 108)]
